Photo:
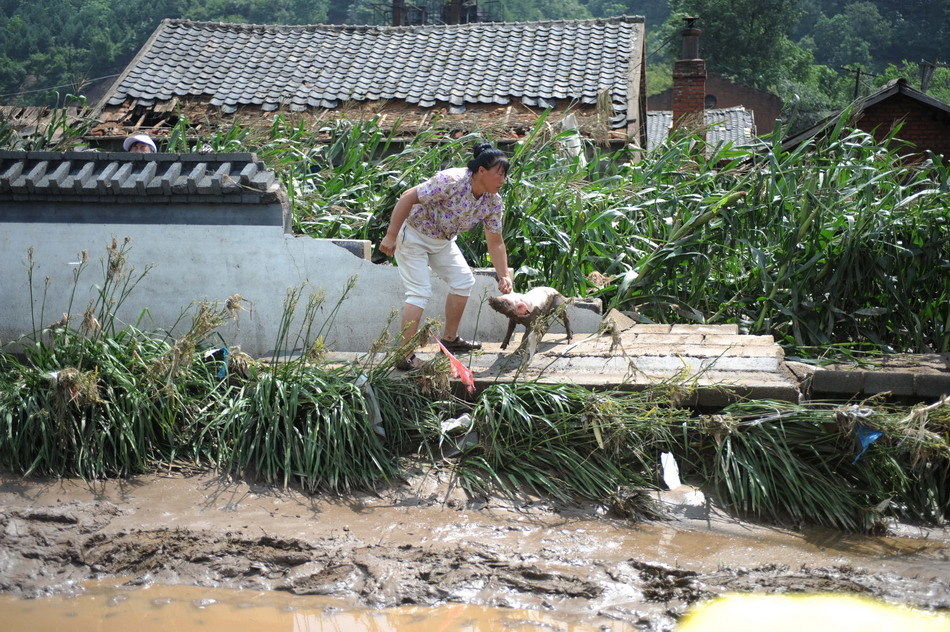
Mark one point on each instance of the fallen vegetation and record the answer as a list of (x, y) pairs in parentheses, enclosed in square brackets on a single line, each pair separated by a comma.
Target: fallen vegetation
[(95, 400), (840, 244), (840, 241)]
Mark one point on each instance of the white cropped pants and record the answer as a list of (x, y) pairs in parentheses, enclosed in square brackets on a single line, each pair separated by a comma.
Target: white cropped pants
[(417, 253)]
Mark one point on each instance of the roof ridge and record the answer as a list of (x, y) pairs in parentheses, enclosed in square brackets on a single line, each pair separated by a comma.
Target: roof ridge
[(620, 19)]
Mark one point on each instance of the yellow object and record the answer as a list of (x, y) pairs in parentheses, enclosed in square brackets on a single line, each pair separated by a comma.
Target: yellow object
[(807, 613)]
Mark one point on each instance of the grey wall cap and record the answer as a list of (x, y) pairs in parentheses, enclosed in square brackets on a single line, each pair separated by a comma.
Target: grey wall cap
[(236, 178)]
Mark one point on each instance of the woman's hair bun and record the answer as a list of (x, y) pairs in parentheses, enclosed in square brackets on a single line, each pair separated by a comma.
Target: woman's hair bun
[(487, 157)]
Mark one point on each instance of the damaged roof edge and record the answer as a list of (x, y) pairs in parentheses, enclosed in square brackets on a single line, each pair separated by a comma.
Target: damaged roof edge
[(97, 110), (619, 19)]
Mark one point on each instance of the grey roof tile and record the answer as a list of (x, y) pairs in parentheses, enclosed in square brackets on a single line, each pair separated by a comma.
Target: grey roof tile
[(735, 125), (240, 64)]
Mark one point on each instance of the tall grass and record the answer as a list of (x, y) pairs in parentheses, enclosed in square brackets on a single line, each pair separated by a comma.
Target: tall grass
[(90, 398), (838, 241)]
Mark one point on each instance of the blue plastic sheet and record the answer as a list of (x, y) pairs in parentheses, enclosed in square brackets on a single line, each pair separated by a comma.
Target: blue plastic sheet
[(223, 369), (866, 436)]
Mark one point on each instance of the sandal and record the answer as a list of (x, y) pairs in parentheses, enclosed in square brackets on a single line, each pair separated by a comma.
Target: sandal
[(408, 363), (460, 346)]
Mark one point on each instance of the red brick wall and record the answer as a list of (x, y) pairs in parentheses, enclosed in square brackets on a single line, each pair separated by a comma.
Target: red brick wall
[(765, 106), (925, 126), (689, 89)]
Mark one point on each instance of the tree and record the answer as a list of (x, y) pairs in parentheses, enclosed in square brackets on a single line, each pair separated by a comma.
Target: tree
[(743, 39), (852, 36)]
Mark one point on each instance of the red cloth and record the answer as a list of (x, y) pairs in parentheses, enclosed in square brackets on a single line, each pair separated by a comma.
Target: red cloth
[(459, 370)]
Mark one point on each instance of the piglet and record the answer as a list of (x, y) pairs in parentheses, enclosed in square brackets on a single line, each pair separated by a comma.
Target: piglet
[(524, 309)]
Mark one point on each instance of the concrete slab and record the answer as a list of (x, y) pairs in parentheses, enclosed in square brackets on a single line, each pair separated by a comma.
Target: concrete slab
[(925, 376), (704, 329), (710, 376)]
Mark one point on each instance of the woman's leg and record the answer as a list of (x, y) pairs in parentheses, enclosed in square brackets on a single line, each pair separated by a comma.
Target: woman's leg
[(411, 315), (454, 308), (450, 265), (413, 258)]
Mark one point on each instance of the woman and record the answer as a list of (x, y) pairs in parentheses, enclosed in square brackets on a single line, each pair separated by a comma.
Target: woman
[(422, 231)]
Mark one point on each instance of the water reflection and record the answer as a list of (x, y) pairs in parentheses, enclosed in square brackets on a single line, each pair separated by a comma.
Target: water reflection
[(107, 608)]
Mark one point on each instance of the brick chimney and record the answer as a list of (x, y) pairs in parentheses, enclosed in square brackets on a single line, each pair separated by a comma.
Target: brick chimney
[(689, 79)]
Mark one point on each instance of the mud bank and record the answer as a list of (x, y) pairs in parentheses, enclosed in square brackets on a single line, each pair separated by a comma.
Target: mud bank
[(426, 543)]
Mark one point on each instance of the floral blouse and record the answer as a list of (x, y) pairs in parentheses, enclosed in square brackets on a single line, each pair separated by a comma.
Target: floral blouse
[(447, 207)]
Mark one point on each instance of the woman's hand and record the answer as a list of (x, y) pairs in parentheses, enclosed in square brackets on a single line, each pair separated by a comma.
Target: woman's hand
[(388, 245), (504, 284)]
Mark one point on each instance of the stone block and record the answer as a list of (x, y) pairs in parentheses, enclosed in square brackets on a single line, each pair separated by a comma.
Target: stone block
[(620, 320), (663, 339), (650, 329), (932, 384), (896, 383), (737, 339), (850, 383), (704, 329)]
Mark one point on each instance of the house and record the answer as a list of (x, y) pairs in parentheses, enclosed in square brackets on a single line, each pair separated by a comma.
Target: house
[(723, 93), (497, 76), (688, 102), (924, 120)]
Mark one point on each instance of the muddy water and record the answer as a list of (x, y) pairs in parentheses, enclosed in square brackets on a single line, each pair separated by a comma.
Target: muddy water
[(424, 543), (185, 609)]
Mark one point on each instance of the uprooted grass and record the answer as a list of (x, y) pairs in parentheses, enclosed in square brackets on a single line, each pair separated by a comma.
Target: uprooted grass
[(782, 461), (567, 441), (102, 399), (318, 427)]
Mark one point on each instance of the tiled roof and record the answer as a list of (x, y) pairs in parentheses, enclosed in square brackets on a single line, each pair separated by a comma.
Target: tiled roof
[(128, 177), (321, 66), (734, 125)]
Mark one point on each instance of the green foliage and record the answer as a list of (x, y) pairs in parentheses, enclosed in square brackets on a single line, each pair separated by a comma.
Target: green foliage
[(564, 440), (777, 460), (850, 37)]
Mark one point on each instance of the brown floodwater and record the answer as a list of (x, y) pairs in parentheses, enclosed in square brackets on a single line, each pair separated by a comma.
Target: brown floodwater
[(392, 559), (103, 607)]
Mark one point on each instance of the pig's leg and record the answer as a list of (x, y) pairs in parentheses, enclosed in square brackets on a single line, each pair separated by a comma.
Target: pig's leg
[(511, 330), (562, 305)]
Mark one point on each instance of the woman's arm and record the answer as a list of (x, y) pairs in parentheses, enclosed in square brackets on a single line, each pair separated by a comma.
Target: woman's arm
[(400, 212), (499, 259)]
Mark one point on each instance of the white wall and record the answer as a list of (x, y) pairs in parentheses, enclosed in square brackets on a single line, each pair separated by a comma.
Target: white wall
[(210, 263)]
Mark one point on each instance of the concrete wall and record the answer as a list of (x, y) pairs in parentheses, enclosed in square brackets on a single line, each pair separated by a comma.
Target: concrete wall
[(212, 262)]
